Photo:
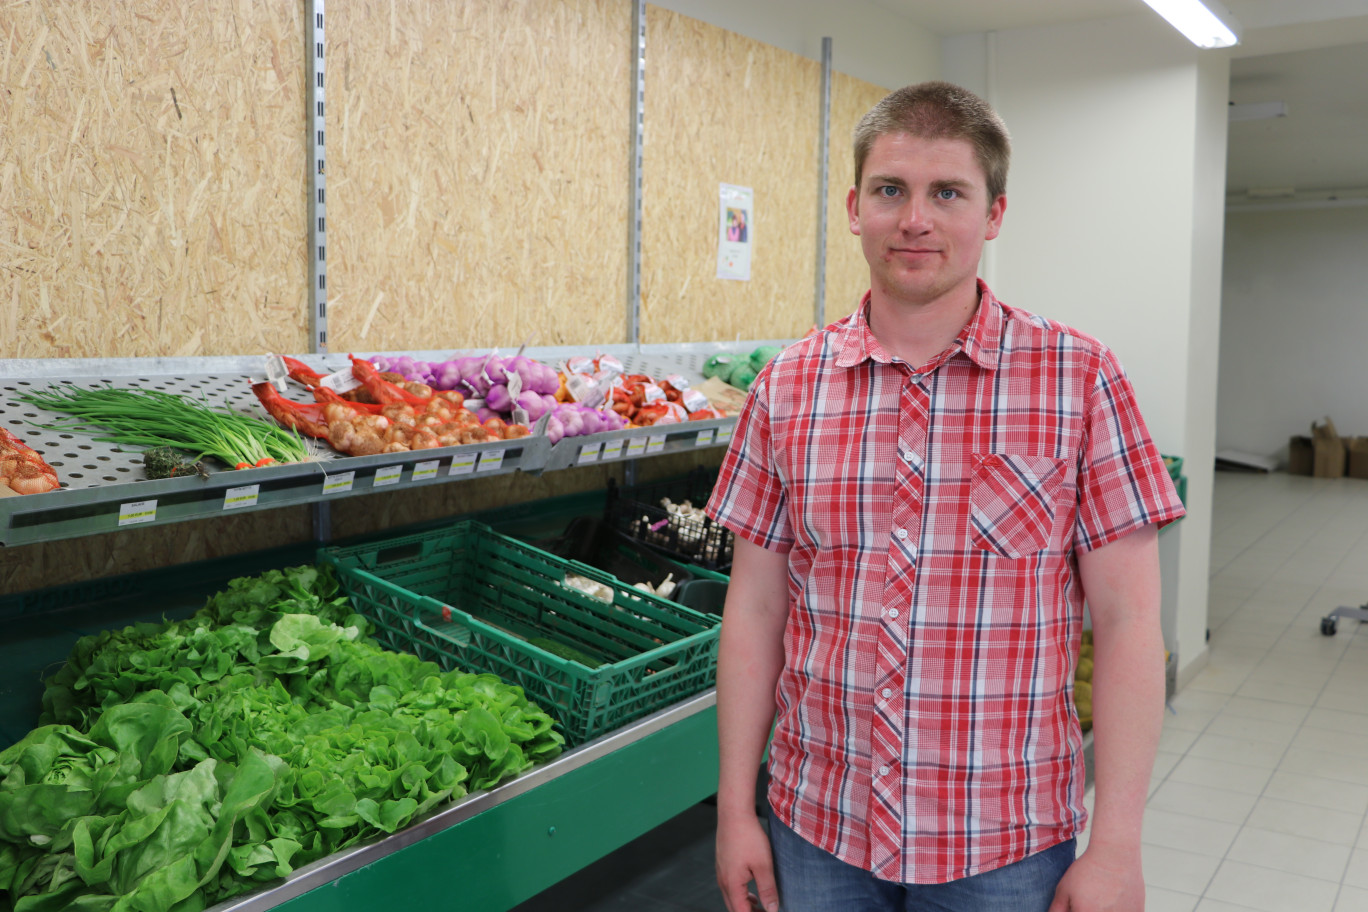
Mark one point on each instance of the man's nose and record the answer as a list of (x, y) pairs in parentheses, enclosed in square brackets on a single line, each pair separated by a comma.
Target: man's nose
[(915, 215)]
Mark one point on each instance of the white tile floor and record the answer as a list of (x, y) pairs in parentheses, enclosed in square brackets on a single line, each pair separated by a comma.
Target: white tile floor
[(1260, 794)]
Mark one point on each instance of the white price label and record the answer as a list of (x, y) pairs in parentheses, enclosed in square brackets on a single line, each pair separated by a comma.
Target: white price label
[(462, 464), (425, 470), (589, 453), (635, 447), (490, 460), (724, 434), (655, 443), (140, 511), (612, 449), (706, 438), (245, 496), (387, 475), (339, 483), (276, 373), (344, 381)]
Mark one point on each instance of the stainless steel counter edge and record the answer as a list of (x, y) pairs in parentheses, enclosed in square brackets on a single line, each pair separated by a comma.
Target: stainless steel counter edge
[(328, 869)]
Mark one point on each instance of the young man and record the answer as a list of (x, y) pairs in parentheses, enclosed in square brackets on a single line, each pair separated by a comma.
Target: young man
[(923, 494)]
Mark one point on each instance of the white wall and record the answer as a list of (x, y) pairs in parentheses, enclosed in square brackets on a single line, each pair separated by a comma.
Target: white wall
[(867, 41), (1113, 226), (1294, 340)]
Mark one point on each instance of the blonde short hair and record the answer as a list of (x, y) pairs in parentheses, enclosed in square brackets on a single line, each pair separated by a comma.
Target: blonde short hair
[(940, 110)]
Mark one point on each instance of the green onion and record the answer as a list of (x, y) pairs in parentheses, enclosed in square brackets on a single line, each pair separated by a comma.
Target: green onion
[(133, 417)]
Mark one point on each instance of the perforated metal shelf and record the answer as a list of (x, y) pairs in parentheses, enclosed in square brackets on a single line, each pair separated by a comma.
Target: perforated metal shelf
[(104, 489)]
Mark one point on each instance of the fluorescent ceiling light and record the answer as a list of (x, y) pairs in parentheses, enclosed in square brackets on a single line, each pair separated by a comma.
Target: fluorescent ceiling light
[(1206, 24), (1262, 110)]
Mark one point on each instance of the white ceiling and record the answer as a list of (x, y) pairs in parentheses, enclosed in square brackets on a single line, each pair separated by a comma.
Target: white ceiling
[(1310, 54)]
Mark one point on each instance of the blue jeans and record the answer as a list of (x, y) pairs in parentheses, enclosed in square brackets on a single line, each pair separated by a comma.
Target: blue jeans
[(812, 880)]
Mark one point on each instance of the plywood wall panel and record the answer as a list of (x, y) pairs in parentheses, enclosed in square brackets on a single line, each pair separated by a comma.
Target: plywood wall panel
[(29, 567), (478, 173), (847, 273), (152, 178), (722, 108)]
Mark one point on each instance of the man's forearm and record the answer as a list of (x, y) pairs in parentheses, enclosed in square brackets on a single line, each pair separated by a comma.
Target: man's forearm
[(1128, 713), (750, 658), (1121, 581)]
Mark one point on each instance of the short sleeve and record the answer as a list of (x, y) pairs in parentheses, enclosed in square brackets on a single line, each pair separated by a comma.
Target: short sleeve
[(1123, 483), (749, 497)]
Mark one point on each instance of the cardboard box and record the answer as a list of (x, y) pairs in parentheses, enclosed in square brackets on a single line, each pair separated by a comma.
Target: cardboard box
[(1299, 456), (1357, 448), (1327, 450)]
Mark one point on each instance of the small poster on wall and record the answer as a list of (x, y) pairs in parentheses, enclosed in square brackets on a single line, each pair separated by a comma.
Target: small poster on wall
[(734, 226)]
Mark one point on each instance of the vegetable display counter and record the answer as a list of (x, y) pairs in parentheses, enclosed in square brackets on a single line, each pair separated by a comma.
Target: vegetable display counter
[(487, 851), (103, 488), (495, 849)]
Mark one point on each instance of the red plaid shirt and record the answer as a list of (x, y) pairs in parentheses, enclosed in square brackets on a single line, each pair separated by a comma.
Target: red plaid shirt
[(926, 729)]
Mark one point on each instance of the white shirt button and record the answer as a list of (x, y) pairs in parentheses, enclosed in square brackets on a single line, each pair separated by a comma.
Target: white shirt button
[(907, 455), (883, 771), (902, 534), (892, 612), (887, 693)]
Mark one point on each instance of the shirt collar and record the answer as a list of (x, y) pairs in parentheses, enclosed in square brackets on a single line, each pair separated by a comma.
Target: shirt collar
[(980, 340)]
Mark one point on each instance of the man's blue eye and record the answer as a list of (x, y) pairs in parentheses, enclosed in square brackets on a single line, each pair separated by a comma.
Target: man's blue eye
[(887, 191), (947, 193)]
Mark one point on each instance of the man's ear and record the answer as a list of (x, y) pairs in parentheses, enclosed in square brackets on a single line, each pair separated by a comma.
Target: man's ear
[(995, 213), (853, 209)]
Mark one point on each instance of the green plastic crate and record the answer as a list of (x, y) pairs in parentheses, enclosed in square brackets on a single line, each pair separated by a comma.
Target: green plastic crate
[(1174, 464), (467, 597)]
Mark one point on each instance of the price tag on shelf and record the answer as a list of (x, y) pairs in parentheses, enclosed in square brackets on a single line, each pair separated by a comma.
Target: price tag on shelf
[(387, 475), (422, 471), (706, 438), (245, 496), (589, 452), (462, 464), (613, 449), (139, 511), (655, 443), (339, 483), (490, 460), (724, 434), (636, 446)]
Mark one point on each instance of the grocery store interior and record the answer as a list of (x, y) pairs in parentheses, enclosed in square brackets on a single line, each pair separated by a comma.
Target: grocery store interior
[(505, 270)]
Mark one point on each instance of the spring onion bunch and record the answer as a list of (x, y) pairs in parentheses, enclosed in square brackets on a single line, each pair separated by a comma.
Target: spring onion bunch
[(135, 417)]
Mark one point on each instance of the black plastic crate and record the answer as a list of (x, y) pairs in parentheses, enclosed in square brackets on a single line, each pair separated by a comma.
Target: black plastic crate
[(643, 513), (590, 540)]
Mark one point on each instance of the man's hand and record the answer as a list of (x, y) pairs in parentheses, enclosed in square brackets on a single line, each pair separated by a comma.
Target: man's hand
[(1101, 881), (743, 855)]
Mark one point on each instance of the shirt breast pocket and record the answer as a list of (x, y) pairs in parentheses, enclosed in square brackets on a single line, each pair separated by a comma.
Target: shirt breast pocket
[(1013, 502)]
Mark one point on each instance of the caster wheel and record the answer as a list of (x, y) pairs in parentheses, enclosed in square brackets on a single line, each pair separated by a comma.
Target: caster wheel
[(1328, 625)]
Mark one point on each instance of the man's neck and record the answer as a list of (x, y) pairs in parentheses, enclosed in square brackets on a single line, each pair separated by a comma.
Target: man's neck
[(916, 333)]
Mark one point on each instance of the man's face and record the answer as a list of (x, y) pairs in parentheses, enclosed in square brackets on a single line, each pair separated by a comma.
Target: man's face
[(922, 214)]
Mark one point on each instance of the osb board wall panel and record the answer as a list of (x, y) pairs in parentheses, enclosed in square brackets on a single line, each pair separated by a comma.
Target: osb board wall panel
[(723, 108), (152, 182), (27, 567), (847, 273), (477, 173), (375, 514)]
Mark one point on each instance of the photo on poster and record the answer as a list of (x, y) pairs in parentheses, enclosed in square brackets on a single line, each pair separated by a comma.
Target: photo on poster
[(736, 210)]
